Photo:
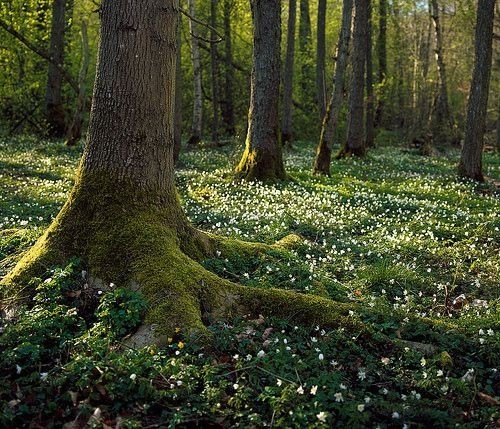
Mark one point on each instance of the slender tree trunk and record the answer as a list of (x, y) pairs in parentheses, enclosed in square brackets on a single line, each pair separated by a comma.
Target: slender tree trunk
[(370, 119), (324, 150), (214, 69), (475, 123), (287, 128), (382, 61), (305, 49), (320, 58), (441, 122), (355, 142), (54, 109), (75, 130), (262, 158), (178, 100), (196, 130), (228, 103)]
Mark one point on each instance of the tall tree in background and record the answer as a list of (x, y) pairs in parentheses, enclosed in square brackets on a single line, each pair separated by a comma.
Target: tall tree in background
[(75, 129), (262, 158), (54, 108), (370, 119), (324, 151), (442, 123), (214, 70), (320, 58), (228, 102), (286, 127), (178, 99), (306, 78), (382, 60), (196, 129), (355, 141), (475, 124)]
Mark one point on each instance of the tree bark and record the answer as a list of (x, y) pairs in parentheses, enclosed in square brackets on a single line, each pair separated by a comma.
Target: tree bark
[(196, 130), (178, 100), (382, 60), (355, 142), (75, 130), (324, 150), (472, 151), (320, 59), (228, 103), (214, 71), (54, 109), (287, 128), (262, 158), (370, 119)]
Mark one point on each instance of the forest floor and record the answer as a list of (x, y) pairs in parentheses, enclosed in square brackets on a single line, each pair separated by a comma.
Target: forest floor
[(416, 248)]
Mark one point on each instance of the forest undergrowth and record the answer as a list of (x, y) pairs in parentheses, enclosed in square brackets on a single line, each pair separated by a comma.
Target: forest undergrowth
[(399, 235)]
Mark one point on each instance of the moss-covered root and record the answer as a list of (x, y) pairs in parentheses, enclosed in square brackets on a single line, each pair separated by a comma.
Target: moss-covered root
[(232, 247)]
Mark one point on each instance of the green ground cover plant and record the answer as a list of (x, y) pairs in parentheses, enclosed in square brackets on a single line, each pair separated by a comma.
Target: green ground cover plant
[(396, 234)]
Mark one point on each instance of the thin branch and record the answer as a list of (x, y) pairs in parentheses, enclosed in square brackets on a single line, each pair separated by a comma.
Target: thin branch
[(39, 51), (204, 24)]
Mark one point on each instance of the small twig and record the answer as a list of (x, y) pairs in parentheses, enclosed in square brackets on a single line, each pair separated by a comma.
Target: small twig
[(204, 24)]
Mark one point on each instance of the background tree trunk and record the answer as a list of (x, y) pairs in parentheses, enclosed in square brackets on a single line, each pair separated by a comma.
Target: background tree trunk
[(441, 122), (370, 120), (75, 130), (355, 142), (54, 109), (214, 69), (228, 103), (305, 49), (262, 158), (323, 152), (320, 59), (287, 128), (178, 99), (196, 130), (382, 60), (475, 124)]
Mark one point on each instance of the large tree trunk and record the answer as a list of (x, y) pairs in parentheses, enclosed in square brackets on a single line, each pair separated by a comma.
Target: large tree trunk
[(75, 130), (262, 158), (228, 103), (355, 142), (54, 109), (320, 59), (382, 60), (442, 123), (196, 129), (286, 127), (214, 70), (324, 151), (370, 119), (475, 123)]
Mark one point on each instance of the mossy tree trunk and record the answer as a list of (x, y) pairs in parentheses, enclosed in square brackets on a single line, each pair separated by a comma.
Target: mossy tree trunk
[(475, 124), (320, 58), (370, 118), (355, 142), (262, 158), (324, 150), (286, 124)]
